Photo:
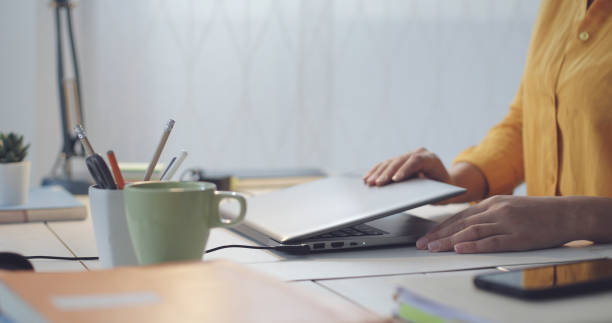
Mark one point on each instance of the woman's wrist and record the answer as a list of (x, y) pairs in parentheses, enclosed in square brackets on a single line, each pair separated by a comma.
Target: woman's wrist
[(471, 178), (568, 211), (587, 218)]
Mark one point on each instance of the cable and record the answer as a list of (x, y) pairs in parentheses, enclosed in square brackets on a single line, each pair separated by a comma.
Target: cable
[(237, 246), (62, 258), (301, 249)]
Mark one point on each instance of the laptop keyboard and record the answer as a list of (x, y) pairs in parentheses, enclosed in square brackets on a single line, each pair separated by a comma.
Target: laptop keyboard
[(354, 231)]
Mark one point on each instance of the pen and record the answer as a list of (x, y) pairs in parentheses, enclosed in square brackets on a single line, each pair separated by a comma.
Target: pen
[(116, 171), (176, 165), (159, 149), (167, 169), (95, 163)]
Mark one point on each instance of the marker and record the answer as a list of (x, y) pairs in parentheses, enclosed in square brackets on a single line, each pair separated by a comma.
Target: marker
[(95, 163), (115, 168), (158, 151), (176, 165)]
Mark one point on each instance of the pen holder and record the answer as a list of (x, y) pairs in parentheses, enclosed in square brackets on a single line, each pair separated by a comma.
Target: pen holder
[(110, 226)]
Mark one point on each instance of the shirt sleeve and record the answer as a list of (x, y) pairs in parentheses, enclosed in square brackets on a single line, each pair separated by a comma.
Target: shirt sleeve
[(500, 154)]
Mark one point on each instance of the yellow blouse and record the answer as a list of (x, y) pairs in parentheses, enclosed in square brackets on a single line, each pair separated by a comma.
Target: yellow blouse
[(558, 133)]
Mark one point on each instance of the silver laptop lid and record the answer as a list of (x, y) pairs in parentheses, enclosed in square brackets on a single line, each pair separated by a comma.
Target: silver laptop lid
[(309, 209)]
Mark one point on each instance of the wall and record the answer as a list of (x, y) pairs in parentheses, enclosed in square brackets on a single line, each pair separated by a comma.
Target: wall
[(259, 84), (18, 69)]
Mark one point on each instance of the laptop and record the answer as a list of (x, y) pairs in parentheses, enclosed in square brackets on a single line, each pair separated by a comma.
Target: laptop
[(340, 213)]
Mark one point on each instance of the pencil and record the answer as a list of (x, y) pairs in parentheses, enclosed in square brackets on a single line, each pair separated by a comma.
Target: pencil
[(159, 149), (116, 171)]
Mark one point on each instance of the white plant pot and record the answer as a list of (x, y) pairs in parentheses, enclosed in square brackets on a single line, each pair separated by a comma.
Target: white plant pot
[(14, 180)]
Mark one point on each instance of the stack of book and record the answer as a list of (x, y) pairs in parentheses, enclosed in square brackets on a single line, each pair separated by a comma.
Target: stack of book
[(411, 307)]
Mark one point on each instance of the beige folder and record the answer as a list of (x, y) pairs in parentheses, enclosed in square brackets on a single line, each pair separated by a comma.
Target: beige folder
[(186, 292)]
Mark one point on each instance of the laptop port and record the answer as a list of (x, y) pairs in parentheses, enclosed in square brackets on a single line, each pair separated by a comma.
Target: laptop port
[(354, 243), (337, 244), (318, 246)]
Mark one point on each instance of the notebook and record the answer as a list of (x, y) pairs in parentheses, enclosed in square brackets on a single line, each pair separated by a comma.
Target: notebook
[(217, 291), (51, 203)]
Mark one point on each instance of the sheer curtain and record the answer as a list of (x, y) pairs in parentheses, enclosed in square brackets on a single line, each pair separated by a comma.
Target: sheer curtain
[(336, 84)]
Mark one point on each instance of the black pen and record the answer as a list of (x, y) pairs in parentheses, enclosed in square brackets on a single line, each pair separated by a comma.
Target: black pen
[(95, 163)]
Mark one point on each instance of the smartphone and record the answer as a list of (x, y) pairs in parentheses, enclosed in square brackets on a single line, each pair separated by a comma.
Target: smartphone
[(551, 281)]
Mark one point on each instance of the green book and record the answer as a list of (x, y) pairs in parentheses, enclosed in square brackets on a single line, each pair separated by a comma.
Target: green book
[(417, 309)]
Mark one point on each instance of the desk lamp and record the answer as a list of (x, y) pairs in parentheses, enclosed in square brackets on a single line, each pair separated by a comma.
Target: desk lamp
[(67, 86)]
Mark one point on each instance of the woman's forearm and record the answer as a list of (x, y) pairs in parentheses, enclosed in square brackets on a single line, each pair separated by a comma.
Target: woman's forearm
[(472, 179)]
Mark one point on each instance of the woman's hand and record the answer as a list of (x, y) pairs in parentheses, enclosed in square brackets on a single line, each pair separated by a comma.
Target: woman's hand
[(507, 223), (421, 162), (405, 166)]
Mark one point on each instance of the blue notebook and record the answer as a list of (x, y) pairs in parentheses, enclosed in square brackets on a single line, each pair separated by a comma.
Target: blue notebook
[(45, 204)]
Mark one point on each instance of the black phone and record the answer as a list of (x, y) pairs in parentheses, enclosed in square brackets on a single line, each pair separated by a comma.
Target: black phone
[(558, 280)]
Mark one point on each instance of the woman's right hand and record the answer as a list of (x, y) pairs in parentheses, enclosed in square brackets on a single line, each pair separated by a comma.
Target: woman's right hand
[(420, 161)]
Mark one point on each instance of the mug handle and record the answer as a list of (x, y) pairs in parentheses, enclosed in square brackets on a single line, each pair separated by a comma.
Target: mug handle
[(220, 195)]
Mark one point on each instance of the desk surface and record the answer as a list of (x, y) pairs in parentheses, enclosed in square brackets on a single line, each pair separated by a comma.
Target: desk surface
[(367, 277), (34, 239), (456, 290)]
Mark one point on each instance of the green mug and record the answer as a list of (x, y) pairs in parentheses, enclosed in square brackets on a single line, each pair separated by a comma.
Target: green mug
[(170, 221)]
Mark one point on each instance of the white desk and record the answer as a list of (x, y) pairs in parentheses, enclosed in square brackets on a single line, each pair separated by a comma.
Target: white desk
[(361, 277), (78, 236), (35, 239)]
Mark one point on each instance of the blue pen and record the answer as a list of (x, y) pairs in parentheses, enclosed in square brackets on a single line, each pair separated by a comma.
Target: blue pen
[(167, 169)]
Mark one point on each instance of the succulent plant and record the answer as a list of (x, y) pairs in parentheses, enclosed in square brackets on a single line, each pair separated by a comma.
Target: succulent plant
[(12, 149)]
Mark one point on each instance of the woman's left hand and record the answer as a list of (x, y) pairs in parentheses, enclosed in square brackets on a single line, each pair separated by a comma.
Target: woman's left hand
[(504, 223)]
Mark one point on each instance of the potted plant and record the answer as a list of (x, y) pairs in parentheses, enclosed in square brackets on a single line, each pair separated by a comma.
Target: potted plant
[(14, 171)]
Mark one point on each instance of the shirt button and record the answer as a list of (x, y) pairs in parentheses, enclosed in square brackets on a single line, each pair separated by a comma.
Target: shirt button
[(584, 36)]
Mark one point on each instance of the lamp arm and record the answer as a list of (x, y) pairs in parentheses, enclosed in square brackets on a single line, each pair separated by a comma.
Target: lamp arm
[(68, 144), (75, 62)]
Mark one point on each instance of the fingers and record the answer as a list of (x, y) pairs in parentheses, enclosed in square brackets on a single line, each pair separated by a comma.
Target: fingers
[(381, 173), (481, 207), (470, 233), (413, 164), (406, 166), (453, 225), (425, 162), (473, 230), (371, 181), (389, 172), (371, 172), (491, 244), (452, 229)]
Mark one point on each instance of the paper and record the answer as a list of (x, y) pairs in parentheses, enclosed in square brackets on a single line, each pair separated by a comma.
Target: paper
[(407, 260), (438, 213)]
